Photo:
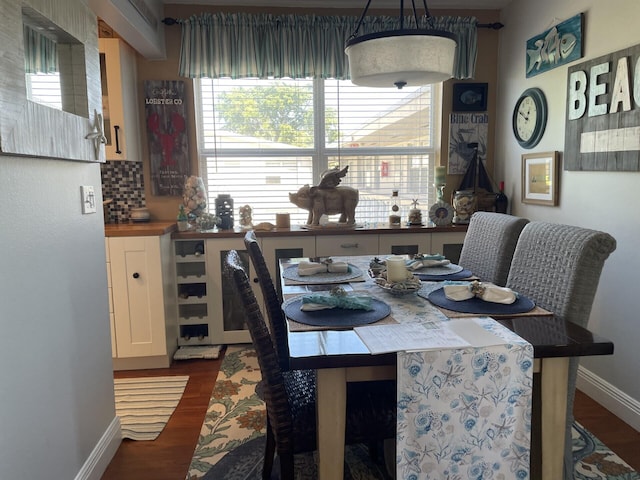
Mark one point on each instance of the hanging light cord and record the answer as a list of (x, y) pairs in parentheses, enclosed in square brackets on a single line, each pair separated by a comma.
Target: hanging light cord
[(400, 17)]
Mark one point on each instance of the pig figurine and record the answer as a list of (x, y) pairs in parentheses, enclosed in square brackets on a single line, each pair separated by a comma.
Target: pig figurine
[(327, 201)]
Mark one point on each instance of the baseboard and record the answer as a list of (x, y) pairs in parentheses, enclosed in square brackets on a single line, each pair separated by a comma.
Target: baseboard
[(102, 454), (617, 402)]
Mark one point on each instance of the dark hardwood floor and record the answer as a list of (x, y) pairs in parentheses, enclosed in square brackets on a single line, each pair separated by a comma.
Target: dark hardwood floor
[(168, 457)]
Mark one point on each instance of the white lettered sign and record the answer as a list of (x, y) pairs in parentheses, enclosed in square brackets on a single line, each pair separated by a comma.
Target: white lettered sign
[(602, 130)]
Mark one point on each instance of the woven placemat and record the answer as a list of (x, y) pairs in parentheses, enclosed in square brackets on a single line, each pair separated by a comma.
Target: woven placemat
[(336, 317), (478, 306), (291, 274)]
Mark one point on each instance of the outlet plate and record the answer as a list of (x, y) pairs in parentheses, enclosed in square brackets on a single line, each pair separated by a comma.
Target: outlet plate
[(88, 199)]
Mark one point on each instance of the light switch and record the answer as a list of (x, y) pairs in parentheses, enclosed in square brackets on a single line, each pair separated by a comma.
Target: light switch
[(88, 199)]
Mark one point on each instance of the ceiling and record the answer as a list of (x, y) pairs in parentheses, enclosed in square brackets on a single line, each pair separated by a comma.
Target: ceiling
[(455, 4)]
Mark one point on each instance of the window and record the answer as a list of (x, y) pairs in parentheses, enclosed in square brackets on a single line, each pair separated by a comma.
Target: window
[(44, 88), (258, 140)]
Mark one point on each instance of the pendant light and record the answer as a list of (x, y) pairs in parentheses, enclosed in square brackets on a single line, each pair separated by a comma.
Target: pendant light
[(400, 57)]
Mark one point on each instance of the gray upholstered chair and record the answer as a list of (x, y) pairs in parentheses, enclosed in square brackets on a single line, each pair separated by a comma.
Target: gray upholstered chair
[(559, 266), (489, 244)]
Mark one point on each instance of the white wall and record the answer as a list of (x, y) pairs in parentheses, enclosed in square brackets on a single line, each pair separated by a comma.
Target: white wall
[(599, 200), (57, 411), (56, 380)]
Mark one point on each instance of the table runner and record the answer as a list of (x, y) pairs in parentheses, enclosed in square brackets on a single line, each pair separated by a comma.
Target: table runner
[(466, 413)]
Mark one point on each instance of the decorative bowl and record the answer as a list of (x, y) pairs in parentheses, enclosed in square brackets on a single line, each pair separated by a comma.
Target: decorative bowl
[(411, 285)]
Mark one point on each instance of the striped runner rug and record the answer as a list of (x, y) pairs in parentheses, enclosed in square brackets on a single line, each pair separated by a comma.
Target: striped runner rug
[(144, 405)]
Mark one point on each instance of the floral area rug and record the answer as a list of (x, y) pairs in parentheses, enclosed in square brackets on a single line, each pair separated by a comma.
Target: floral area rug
[(231, 442)]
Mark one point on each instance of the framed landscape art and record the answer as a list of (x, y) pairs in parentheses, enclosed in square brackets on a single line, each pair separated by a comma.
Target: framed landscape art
[(540, 178)]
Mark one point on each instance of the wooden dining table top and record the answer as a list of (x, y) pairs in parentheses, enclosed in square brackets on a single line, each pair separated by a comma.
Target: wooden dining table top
[(549, 335)]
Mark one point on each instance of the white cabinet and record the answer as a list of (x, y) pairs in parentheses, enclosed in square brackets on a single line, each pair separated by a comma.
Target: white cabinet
[(144, 306), (275, 248), (196, 298), (208, 311), (112, 319), (227, 317), (448, 244), (404, 243), (119, 99)]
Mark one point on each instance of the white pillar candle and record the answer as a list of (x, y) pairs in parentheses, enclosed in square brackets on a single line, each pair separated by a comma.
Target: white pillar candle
[(396, 269), (441, 175)]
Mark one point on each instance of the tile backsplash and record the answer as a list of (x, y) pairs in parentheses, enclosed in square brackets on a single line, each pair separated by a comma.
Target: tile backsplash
[(123, 182)]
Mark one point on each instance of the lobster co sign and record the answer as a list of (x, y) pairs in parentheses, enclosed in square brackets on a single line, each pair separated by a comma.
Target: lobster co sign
[(602, 128)]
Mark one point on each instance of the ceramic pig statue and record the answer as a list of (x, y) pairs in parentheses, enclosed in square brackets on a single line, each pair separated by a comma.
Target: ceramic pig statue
[(327, 201)]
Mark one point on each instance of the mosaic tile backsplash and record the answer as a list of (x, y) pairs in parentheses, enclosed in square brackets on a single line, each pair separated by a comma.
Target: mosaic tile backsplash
[(124, 183)]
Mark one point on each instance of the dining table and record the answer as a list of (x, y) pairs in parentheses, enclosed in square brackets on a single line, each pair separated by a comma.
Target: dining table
[(339, 355)]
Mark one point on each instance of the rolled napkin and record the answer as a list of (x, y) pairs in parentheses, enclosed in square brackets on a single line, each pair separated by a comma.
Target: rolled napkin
[(425, 261), (337, 298), (485, 291), (311, 268)]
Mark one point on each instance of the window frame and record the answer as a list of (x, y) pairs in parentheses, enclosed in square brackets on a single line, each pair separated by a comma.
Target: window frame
[(320, 153)]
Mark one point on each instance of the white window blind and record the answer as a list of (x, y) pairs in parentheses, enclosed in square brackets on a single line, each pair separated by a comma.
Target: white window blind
[(259, 140), (44, 88)]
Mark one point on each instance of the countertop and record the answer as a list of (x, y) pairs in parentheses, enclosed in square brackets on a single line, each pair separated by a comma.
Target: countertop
[(139, 229), (297, 231)]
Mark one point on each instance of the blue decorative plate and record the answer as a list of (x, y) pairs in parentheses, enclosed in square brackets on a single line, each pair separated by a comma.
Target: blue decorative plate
[(291, 273), (336, 317), (426, 277), (478, 306)]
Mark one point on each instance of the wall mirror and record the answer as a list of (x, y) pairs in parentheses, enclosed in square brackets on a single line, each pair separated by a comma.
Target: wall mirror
[(53, 120), (51, 56)]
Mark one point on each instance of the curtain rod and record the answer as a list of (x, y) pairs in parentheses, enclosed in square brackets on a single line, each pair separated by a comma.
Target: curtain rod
[(169, 21)]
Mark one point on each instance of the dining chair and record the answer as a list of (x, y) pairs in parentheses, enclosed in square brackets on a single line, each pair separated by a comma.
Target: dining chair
[(558, 267), (489, 244), (273, 303), (290, 396)]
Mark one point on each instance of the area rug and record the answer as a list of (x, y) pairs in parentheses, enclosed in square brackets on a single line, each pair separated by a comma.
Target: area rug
[(144, 405), (231, 441)]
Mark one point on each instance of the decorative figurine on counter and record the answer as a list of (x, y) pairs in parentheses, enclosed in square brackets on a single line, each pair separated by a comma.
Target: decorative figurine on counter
[(207, 221), (441, 212), (415, 214), (246, 221), (182, 220), (328, 199)]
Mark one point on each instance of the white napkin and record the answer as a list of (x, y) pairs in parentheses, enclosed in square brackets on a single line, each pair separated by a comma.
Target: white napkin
[(418, 264), (311, 268), (485, 291), (312, 307)]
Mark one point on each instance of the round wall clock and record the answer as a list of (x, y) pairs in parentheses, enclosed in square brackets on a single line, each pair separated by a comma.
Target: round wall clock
[(530, 117)]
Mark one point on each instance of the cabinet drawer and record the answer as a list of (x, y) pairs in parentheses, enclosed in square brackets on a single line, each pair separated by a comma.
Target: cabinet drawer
[(327, 245)]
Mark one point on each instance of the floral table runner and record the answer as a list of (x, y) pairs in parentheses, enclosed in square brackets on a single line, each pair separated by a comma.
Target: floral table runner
[(466, 413)]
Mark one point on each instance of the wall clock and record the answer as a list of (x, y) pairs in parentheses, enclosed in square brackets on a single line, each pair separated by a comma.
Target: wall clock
[(530, 117)]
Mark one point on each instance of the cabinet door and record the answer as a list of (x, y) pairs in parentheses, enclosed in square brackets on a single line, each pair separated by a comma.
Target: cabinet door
[(404, 243), (138, 302), (346, 245), (274, 249), (448, 244), (227, 320), (119, 100)]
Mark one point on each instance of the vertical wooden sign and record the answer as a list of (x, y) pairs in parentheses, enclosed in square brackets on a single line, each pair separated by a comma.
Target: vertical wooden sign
[(167, 136)]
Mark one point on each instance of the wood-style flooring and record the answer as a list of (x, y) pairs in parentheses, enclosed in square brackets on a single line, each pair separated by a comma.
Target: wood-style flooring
[(168, 457)]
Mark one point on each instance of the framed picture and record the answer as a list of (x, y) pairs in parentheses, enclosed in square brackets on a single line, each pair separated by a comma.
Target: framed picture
[(540, 178), (469, 97)]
